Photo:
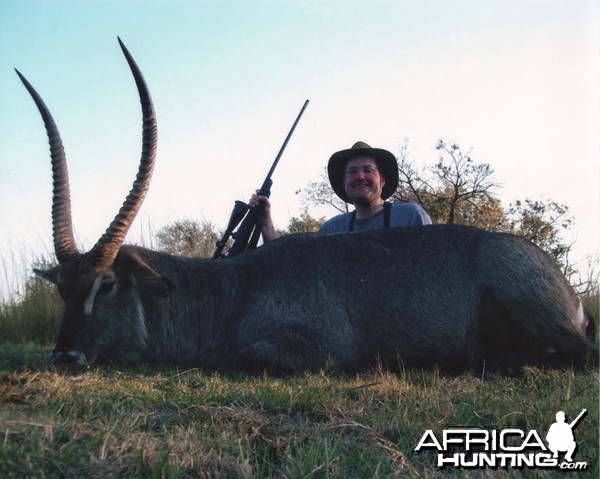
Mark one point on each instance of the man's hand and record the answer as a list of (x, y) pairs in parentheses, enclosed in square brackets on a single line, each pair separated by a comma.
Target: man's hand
[(268, 230)]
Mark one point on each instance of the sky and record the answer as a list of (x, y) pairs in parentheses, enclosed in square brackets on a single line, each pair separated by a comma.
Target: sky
[(513, 81)]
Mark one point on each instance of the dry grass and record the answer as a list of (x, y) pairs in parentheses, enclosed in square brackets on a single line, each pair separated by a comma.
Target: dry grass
[(168, 423)]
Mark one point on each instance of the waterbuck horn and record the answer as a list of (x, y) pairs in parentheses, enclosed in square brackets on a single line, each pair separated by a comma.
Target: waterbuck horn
[(104, 252), (62, 225)]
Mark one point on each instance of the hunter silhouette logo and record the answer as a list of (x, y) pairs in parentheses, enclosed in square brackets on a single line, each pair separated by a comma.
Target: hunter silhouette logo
[(560, 436), (507, 448)]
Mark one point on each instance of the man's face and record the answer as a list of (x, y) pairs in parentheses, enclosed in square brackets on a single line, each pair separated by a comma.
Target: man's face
[(362, 181)]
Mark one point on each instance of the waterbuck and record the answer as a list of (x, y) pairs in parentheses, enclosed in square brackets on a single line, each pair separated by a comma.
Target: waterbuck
[(449, 295)]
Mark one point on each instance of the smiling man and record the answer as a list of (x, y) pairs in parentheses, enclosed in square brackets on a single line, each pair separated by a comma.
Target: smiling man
[(364, 177)]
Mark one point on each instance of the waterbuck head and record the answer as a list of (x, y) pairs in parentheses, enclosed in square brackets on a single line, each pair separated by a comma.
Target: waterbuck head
[(99, 287)]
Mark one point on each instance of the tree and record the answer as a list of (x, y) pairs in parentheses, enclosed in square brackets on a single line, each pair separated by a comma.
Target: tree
[(188, 238), (463, 182), (485, 213), (304, 224), (320, 193), (454, 190), (587, 283), (542, 223)]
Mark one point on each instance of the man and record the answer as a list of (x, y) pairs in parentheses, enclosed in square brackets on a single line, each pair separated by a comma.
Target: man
[(364, 177)]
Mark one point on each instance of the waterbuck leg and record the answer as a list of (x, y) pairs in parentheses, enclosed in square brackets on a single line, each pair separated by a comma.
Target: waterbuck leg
[(501, 348), (510, 337)]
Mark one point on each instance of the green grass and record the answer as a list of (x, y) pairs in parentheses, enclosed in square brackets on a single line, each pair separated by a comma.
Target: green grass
[(32, 311), (168, 423)]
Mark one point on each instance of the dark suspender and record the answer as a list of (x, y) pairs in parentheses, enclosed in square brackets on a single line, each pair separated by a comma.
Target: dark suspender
[(387, 212)]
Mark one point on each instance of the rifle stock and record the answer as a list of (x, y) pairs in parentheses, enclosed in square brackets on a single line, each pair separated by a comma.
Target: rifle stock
[(247, 235), (237, 215)]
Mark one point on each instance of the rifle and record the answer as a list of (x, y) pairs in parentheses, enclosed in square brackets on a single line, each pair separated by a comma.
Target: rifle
[(246, 237)]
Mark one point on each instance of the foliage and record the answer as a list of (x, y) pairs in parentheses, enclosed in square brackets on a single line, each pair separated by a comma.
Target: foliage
[(588, 284), (542, 222), (320, 193), (166, 423), (303, 224), (484, 213), (455, 190), (188, 238)]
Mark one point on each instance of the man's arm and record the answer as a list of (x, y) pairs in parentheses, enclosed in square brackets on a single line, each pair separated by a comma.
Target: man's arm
[(267, 228)]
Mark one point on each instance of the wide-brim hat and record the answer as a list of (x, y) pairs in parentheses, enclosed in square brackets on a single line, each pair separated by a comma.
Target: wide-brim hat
[(386, 162)]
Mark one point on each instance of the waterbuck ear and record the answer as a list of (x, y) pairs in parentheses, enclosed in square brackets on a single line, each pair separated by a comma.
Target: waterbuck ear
[(134, 264), (51, 274)]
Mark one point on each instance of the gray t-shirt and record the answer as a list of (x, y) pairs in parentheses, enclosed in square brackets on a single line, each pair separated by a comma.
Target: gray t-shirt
[(401, 214)]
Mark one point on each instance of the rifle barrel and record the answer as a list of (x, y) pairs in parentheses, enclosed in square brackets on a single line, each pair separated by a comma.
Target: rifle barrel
[(287, 138)]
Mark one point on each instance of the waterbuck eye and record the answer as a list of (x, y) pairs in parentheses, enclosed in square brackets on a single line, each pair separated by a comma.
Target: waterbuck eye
[(107, 286)]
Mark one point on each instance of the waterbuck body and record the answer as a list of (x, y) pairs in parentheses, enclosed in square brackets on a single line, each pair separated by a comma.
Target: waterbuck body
[(448, 295)]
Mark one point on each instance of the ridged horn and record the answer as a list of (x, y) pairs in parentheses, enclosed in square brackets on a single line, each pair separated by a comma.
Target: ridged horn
[(104, 252), (62, 225)]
